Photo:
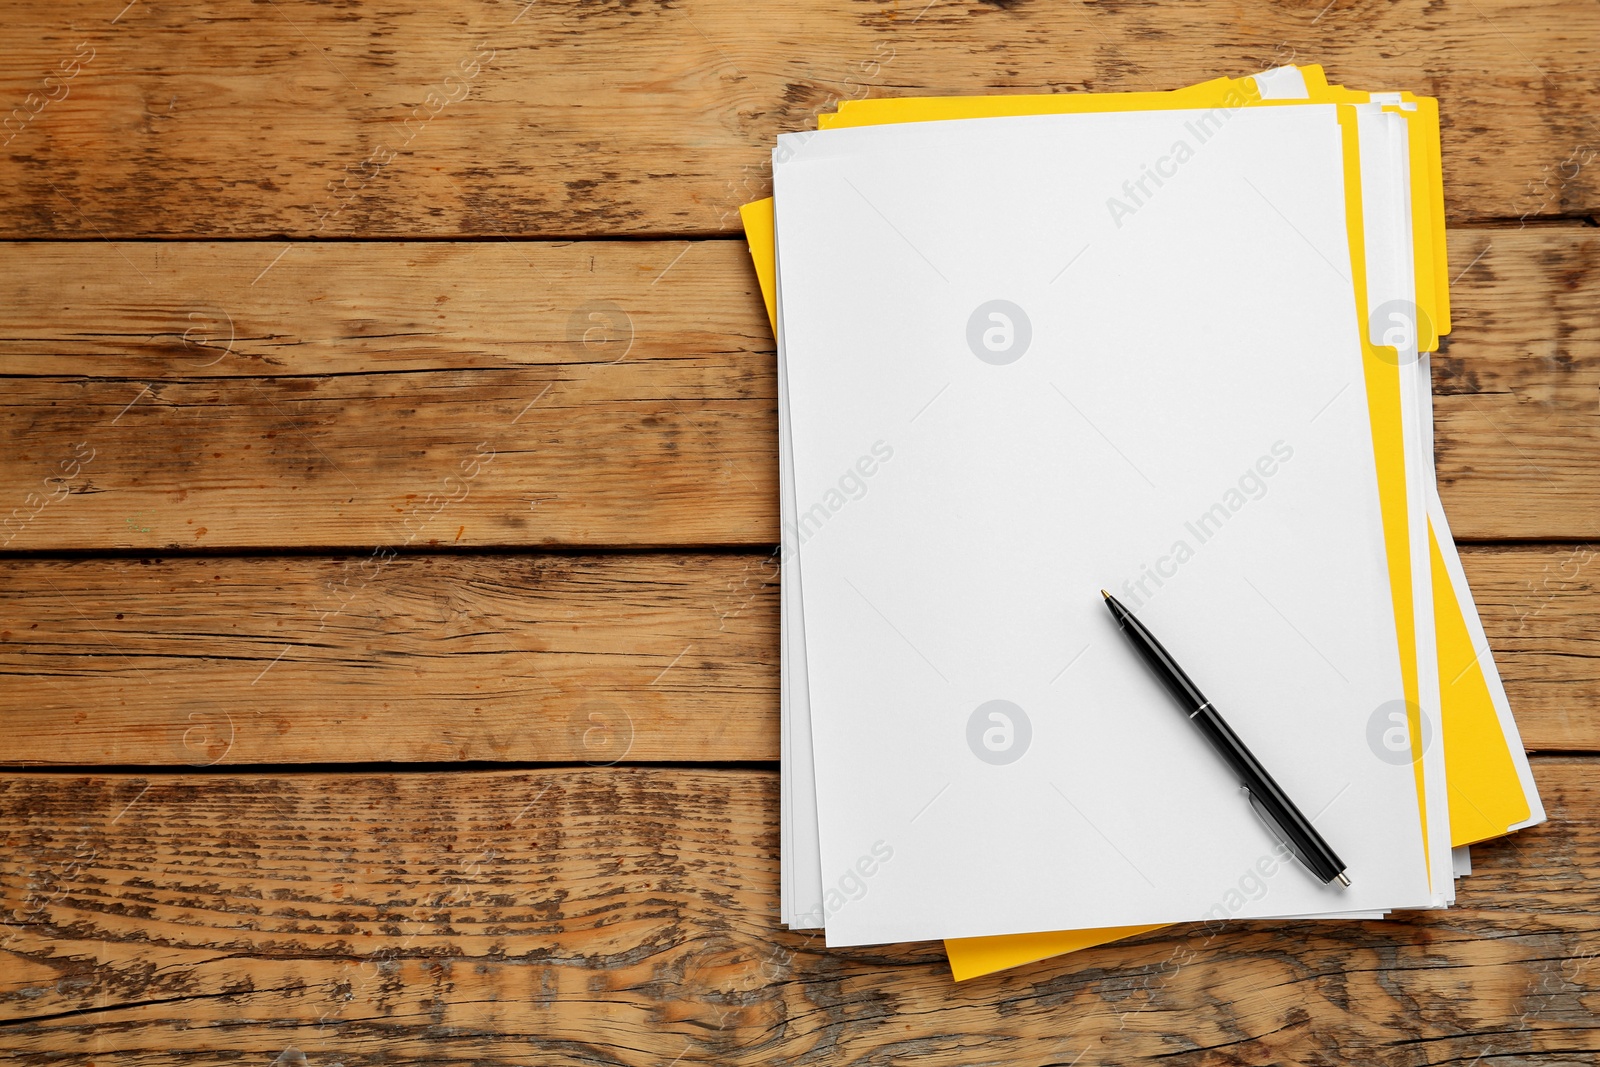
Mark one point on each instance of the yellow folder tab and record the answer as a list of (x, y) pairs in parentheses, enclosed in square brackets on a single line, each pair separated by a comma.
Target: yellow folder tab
[(1464, 698)]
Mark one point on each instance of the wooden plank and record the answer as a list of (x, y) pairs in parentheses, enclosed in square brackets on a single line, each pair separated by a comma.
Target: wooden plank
[(1517, 386), (432, 658), (586, 658), (473, 118), (626, 916), (403, 395), (203, 310), (625, 389), (1540, 607)]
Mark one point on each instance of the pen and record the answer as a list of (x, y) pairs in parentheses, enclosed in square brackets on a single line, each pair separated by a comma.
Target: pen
[(1266, 796)]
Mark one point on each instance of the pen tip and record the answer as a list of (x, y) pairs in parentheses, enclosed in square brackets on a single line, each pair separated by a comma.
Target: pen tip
[(1343, 879), (1105, 594)]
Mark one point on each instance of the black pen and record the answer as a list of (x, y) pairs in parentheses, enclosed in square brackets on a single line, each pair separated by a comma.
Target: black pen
[(1266, 796)]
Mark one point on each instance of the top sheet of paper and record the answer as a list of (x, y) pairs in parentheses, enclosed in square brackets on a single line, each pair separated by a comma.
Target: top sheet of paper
[(1149, 430)]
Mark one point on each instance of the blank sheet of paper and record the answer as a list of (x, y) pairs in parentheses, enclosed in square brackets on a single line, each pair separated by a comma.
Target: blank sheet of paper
[(966, 500)]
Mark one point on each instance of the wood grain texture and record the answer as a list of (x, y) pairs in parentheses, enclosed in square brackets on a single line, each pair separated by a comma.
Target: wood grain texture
[(398, 395), (1517, 386), (431, 658), (502, 384), (544, 658), (1540, 607), (205, 310), (626, 916), (235, 399), (486, 118)]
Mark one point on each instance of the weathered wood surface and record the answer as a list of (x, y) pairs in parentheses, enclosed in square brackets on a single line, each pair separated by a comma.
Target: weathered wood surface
[(1540, 607), (476, 117), (624, 389), (1517, 386), (548, 658), (627, 916), (349, 399), (395, 395), (205, 310), (435, 658)]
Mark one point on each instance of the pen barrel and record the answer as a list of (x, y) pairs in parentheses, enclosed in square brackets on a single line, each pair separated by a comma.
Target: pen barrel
[(1269, 799), (1285, 816), (1178, 683)]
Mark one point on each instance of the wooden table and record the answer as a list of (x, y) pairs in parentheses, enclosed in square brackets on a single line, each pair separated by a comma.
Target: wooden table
[(390, 628)]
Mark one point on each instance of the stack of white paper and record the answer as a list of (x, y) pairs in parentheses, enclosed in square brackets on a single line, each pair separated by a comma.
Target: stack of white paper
[(1152, 349)]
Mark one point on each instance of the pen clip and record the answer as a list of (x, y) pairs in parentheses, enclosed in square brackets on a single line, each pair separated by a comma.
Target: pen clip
[(1277, 830)]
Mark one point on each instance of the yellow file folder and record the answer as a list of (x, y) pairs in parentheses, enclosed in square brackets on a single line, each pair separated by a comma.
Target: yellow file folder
[(1486, 793)]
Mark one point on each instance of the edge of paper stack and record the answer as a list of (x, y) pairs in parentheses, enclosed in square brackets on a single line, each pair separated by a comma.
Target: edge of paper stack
[(1455, 694)]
